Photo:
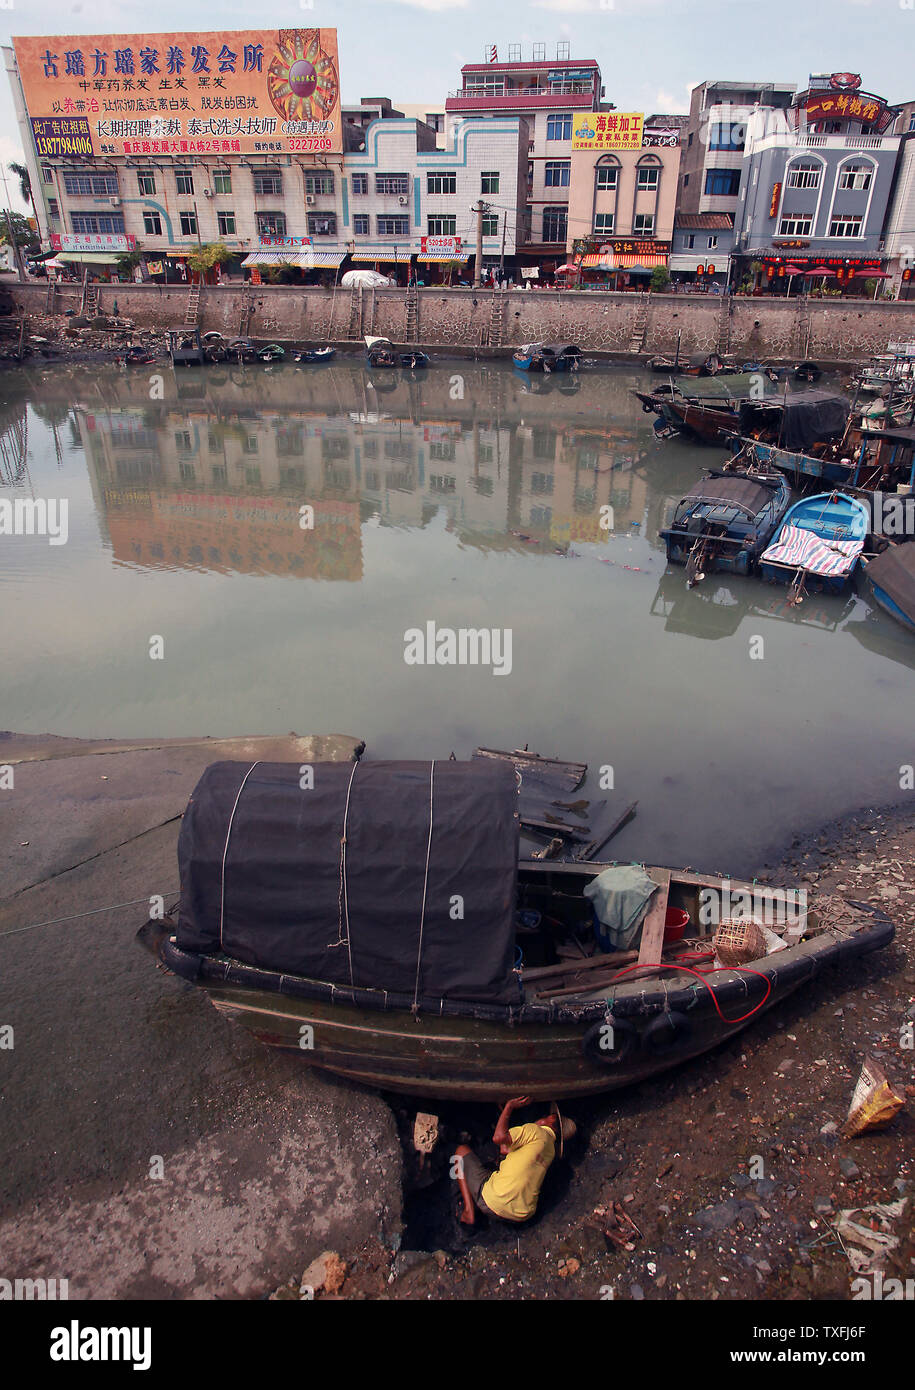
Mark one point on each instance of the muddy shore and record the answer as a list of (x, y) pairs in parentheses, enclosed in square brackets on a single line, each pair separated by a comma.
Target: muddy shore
[(730, 1166)]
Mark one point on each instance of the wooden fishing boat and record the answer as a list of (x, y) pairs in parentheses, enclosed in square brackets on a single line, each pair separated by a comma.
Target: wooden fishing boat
[(548, 357), (414, 360), (374, 918), (316, 355), (818, 544), (705, 419), (379, 352), (698, 364), (273, 352), (185, 347), (891, 579), (725, 522)]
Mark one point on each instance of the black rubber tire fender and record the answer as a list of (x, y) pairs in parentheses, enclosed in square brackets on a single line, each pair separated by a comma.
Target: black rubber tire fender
[(666, 1032), (624, 1041)]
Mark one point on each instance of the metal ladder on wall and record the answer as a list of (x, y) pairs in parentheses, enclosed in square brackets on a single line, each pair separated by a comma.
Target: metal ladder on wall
[(724, 326), (497, 318), (641, 322), (88, 300), (354, 329), (411, 306), (247, 310), (192, 308), (801, 326)]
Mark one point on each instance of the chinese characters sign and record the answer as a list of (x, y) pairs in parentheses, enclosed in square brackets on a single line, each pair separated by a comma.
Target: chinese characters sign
[(849, 106), (93, 241), (238, 92), (608, 130), (440, 245)]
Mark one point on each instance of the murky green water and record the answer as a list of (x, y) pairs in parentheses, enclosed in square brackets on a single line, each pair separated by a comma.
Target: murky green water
[(462, 497)]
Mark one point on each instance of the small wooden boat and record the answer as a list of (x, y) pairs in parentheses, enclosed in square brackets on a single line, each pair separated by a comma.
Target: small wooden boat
[(377, 922), (725, 522), (379, 352), (316, 355), (548, 357), (415, 360), (697, 364), (891, 579), (273, 352), (185, 347), (139, 355), (704, 419), (242, 350), (818, 544)]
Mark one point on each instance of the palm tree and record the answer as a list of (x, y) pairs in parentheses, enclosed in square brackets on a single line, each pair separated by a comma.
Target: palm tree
[(25, 183)]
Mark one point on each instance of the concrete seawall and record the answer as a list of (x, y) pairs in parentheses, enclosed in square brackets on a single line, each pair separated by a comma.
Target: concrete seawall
[(468, 320)]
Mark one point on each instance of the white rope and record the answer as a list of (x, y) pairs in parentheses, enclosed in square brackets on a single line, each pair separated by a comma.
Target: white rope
[(75, 916), (343, 896), (422, 919), (225, 852)]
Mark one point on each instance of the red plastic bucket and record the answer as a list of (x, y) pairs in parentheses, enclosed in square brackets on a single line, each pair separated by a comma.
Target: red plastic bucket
[(675, 923)]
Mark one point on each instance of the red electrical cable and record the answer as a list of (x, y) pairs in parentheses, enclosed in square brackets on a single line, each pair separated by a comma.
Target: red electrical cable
[(741, 969)]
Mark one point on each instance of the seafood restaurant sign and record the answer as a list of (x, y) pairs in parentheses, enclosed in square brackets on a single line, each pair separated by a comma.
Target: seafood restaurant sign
[(233, 92)]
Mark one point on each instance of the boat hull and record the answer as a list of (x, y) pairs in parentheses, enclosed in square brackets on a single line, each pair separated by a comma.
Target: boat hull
[(882, 598)]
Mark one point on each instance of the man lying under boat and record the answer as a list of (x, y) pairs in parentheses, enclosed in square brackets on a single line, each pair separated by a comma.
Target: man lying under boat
[(512, 1191)]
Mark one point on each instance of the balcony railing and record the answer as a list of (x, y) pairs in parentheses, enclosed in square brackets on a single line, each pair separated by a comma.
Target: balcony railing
[(566, 90)]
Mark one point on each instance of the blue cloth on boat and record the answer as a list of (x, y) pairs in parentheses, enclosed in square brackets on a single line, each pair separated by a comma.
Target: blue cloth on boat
[(620, 897)]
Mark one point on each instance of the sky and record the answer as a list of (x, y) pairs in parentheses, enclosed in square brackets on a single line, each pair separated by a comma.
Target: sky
[(651, 52)]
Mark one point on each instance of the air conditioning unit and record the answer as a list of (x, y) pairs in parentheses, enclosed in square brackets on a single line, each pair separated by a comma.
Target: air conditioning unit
[(115, 202), (310, 199), (208, 193), (403, 201)]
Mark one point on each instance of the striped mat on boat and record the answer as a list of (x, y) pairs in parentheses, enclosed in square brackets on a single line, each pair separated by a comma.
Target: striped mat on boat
[(803, 550)]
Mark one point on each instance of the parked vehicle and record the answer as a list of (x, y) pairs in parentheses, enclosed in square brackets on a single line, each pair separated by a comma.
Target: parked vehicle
[(324, 924)]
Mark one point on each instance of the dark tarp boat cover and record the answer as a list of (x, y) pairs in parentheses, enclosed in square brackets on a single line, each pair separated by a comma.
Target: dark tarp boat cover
[(745, 494), (265, 878), (894, 572), (806, 417)]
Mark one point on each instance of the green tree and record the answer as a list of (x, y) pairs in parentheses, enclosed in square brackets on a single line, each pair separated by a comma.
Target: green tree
[(25, 183), (206, 256), (660, 279), (22, 234)]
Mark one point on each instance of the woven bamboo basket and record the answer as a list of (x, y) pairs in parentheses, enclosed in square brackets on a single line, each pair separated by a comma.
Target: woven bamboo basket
[(738, 941)]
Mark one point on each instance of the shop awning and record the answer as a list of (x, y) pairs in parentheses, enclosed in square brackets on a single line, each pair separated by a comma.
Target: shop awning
[(90, 257), (384, 253), (302, 260), (624, 261), (460, 259)]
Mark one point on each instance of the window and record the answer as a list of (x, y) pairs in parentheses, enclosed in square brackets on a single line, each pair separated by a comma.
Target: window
[(712, 243), (322, 224), (647, 176), (489, 181), (54, 209), (843, 225), (542, 483), (690, 241), (146, 183), (607, 176), (47, 173), (271, 224), (555, 223), (188, 224), (603, 223), (557, 173), (393, 226), (186, 470), (267, 181), (726, 135), (800, 224), (361, 224), (441, 183), (643, 224), (559, 126), (90, 185), (685, 180), (491, 225), (220, 473), (441, 226), (183, 440), (152, 224), (222, 181), (96, 222), (184, 181), (319, 183), (857, 177), (443, 450), (479, 85), (225, 222), (360, 183), (689, 140), (804, 176), (392, 183), (722, 183)]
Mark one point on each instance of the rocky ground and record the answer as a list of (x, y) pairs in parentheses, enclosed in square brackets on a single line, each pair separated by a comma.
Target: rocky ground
[(731, 1167)]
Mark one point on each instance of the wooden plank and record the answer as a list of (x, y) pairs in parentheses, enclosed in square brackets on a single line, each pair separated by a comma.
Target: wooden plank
[(590, 851), (652, 943)]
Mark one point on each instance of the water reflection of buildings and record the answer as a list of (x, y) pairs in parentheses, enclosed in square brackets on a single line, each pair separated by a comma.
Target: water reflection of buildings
[(216, 483)]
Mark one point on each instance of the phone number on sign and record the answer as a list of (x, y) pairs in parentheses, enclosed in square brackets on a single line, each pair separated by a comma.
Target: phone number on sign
[(310, 142)]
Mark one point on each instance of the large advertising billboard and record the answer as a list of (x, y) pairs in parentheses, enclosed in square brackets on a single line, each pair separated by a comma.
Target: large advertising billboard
[(234, 92), (611, 130)]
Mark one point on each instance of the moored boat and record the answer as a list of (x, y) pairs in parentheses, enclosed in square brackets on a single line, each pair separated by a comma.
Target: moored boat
[(379, 352), (374, 918), (547, 357), (891, 579), (818, 544), (725, 522), (322, 354)]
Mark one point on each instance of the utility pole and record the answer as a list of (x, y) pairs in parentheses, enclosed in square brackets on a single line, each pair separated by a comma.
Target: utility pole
[(14, 245), (479, 208), (502, 254)]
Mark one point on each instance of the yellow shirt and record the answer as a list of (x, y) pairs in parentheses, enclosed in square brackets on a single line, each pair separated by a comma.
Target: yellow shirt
[(514, 1187)]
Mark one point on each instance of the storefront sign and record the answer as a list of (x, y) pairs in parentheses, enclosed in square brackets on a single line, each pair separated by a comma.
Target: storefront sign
[(233, 92), (791, 245), (96, 241), (440, 245), (624, 246), (849, 106), (776, 199), (286, 243), (530, 272), (611, 130), (661, 135)]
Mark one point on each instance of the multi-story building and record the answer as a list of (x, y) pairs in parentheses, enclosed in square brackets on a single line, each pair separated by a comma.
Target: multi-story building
[(548, 94), (712, 155), (816, 185), (701, 248), (623, 196)]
